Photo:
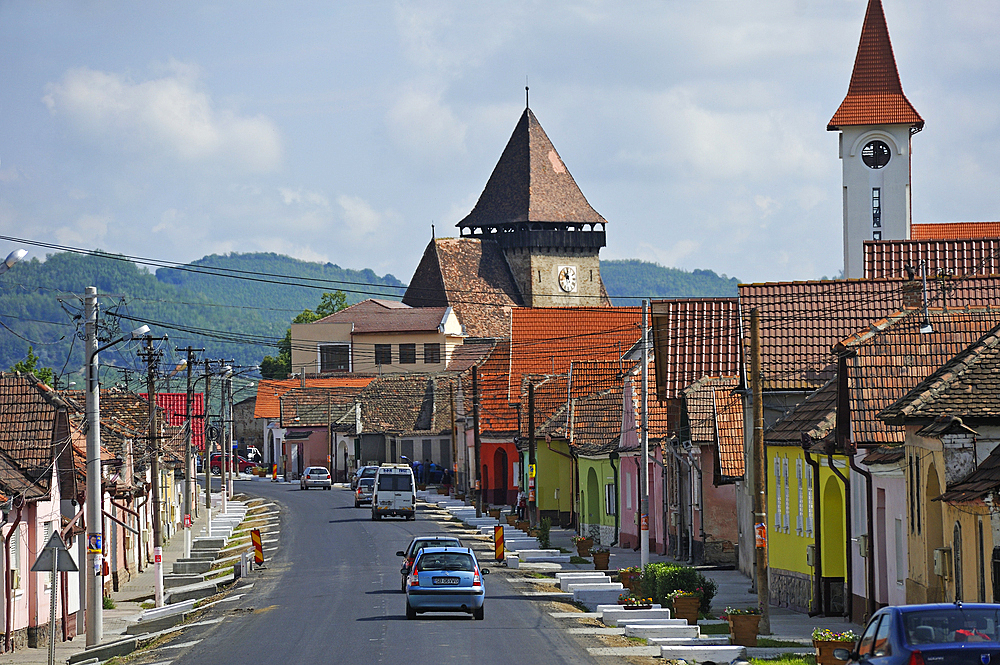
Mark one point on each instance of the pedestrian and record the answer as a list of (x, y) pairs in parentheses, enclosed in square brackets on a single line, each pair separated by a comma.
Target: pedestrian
[(418, 471), (522, 504)]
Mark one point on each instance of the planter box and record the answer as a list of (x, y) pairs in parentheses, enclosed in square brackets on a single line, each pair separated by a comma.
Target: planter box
[(743, 629), (602, 561), (583, 547), (686, 607), (824, 651), (630, 580)]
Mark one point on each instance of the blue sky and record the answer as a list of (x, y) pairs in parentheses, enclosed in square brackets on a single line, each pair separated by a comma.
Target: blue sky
[(341, 131)]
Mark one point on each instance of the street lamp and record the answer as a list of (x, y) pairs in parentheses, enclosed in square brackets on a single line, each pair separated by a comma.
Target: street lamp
[(95, 591), (11, 259)]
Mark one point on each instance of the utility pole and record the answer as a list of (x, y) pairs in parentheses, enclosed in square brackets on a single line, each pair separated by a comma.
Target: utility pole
[(95, 592), (644, 508), (476, 440), (153, 450), (532, 493), (759, 475), (189, 499), (207, 454)]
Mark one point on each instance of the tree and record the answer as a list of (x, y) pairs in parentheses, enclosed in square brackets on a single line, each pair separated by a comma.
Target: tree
[(280, 367), (30, 364)]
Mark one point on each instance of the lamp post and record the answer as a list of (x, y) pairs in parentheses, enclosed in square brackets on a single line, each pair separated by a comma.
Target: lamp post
[(95, 496), (11, 259)]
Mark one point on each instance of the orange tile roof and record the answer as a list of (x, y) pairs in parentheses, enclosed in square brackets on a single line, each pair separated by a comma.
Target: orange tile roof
[(892, 357), (269, 391), (955, 231), (875, 95), (546, 340), (802, 321), (731, 462), (890, 258), (694, 338)]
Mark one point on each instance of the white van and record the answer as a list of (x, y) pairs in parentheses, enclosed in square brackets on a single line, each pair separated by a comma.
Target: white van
[(395, 492)]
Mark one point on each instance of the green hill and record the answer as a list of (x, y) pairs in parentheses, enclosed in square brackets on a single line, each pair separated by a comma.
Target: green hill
[(629, 281)]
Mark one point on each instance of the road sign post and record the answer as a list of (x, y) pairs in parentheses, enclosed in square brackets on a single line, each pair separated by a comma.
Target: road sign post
[(54, 559)]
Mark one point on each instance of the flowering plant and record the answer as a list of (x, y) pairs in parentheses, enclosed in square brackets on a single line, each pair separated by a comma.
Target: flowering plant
[(827, 635), (630, 569), (732, 611), (600, 549), (629, 599), (682, 593), (579, 539)]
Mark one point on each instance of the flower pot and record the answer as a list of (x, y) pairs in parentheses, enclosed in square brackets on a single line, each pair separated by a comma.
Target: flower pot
[(511, 519), (824, 651), (442, 490), (686, 607), (495, 514), (635, 607), (602, 560), (630, 579), (522, 525), (421, 487), (743, 629), (583, 546)]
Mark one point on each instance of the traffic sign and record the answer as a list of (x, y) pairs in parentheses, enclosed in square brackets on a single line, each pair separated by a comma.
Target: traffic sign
[(54, 548)]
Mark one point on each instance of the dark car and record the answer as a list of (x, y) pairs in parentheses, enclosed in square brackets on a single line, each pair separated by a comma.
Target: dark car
[(240, 463), (933, 634), (417, 544), (363, 472)]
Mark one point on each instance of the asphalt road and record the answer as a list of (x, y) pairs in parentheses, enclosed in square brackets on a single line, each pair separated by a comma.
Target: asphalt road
[(331, 595)]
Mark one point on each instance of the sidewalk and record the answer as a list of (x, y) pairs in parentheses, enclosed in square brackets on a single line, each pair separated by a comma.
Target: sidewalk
[(127, 600), (734, 591)]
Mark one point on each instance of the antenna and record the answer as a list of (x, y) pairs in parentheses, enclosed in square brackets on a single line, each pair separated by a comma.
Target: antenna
[(526, 104), (432, 231)]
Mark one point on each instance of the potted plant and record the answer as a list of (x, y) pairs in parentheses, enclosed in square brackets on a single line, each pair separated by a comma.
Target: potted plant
[(629, 577), (494, 513), (602, 557), (511, 520), (686, 604), (630, 602), (583, 545), (826, 640), (743, 625)]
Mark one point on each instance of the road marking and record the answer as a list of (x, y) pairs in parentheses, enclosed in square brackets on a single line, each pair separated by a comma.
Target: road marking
[(179, 646), (265, 609), (230, 599)]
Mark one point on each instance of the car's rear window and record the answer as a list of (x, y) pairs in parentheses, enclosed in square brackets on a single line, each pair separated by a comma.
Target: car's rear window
[(394, 482), (369, 472), (367, 482), (960, 624), (446, 561), (316, 471), (449, 542)]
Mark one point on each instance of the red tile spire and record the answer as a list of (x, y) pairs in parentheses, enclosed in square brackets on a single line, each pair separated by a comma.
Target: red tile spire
[(875, 96)]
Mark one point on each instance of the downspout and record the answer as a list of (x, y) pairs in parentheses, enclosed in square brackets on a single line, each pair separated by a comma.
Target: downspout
[(8, 602), (614, 472), (817, 533), (870, 519), (701, 512), (848, 604)]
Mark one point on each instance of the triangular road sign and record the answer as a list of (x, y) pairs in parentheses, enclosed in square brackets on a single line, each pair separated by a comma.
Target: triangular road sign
[(55, 547)]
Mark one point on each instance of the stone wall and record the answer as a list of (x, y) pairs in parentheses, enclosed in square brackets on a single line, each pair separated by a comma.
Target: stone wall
[(790, 589)]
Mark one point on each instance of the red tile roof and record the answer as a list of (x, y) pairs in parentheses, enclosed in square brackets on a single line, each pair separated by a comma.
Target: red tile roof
[(802, 321), (890, 258), (694, 338), (814, 417), (269, 391), (29, 411), (955, 231), (892, 357), (713, 415), (380, 316), (320, 407), (875, 95), (174, 406)]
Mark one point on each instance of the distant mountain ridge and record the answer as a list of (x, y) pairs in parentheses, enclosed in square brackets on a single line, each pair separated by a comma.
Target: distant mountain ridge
[(235, 306)]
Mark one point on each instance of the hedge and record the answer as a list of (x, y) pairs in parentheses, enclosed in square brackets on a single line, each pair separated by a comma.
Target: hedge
[(659, 579)]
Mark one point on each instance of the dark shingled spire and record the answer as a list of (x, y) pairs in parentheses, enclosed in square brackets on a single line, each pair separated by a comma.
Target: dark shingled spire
[(530, 183)]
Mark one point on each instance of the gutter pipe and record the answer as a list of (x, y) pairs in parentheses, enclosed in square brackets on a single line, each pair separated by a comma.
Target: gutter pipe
[(817, 534), (848, 602)]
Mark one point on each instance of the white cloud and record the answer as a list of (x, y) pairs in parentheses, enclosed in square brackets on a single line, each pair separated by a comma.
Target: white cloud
[(168, 116), (88, 231), (420, 122)]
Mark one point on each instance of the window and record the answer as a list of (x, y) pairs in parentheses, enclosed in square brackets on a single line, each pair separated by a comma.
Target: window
[(798, 481), (876, 235), (432, 354), (383, 354), (784, 475), (394, 482), (876, 207), (867, 644), (777, 494), (882, 647), (627, 486), (610, 502), (809, 504), (334, 358), (407, 354), (900, 553)]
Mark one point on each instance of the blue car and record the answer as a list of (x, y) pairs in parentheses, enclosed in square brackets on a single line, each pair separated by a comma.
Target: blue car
[(934, 634), (445, 579)]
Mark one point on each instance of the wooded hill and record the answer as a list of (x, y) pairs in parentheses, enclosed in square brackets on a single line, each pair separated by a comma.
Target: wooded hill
[(235, 306)]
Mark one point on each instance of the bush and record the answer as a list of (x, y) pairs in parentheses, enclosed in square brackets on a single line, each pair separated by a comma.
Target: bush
[(659, 579), (543, 533)]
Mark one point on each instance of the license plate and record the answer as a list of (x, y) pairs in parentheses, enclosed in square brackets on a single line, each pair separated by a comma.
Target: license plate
[(445, 580)]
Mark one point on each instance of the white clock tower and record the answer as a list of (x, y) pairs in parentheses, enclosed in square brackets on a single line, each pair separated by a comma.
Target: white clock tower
[(876, 122)]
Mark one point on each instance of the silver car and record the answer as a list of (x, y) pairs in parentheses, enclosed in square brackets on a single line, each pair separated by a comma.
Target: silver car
[(365, 491), (316, 476)]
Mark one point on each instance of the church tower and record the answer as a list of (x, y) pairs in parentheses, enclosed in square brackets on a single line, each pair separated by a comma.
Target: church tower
[(876, 122), (534, 210)]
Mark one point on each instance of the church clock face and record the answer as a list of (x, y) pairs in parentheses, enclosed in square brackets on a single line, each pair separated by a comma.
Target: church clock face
[(567, 278), (876, 154)]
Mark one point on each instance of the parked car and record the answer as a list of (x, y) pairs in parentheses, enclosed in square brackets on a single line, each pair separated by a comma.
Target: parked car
[(366, 488), (446, 579), (939, 634), (316, 476), (240, 463), (417, 544), (363, 472)]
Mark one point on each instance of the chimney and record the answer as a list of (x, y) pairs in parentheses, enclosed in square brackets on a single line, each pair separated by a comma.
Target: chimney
[(911, 292)]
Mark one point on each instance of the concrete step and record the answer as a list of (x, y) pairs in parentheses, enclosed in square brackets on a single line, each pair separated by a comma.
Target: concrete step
[(703, 641), (208, 543), (582, 579), (189, 566), (718, 654), (171, 581), (599, 586), (197, 591), (592, 598), (662, 630), (614, 614)]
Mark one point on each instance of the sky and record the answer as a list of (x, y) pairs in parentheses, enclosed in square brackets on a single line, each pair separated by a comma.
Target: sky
[(341, 131)]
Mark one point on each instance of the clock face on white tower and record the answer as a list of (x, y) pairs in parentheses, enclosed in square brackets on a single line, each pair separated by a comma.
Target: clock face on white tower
[(567, 278)]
